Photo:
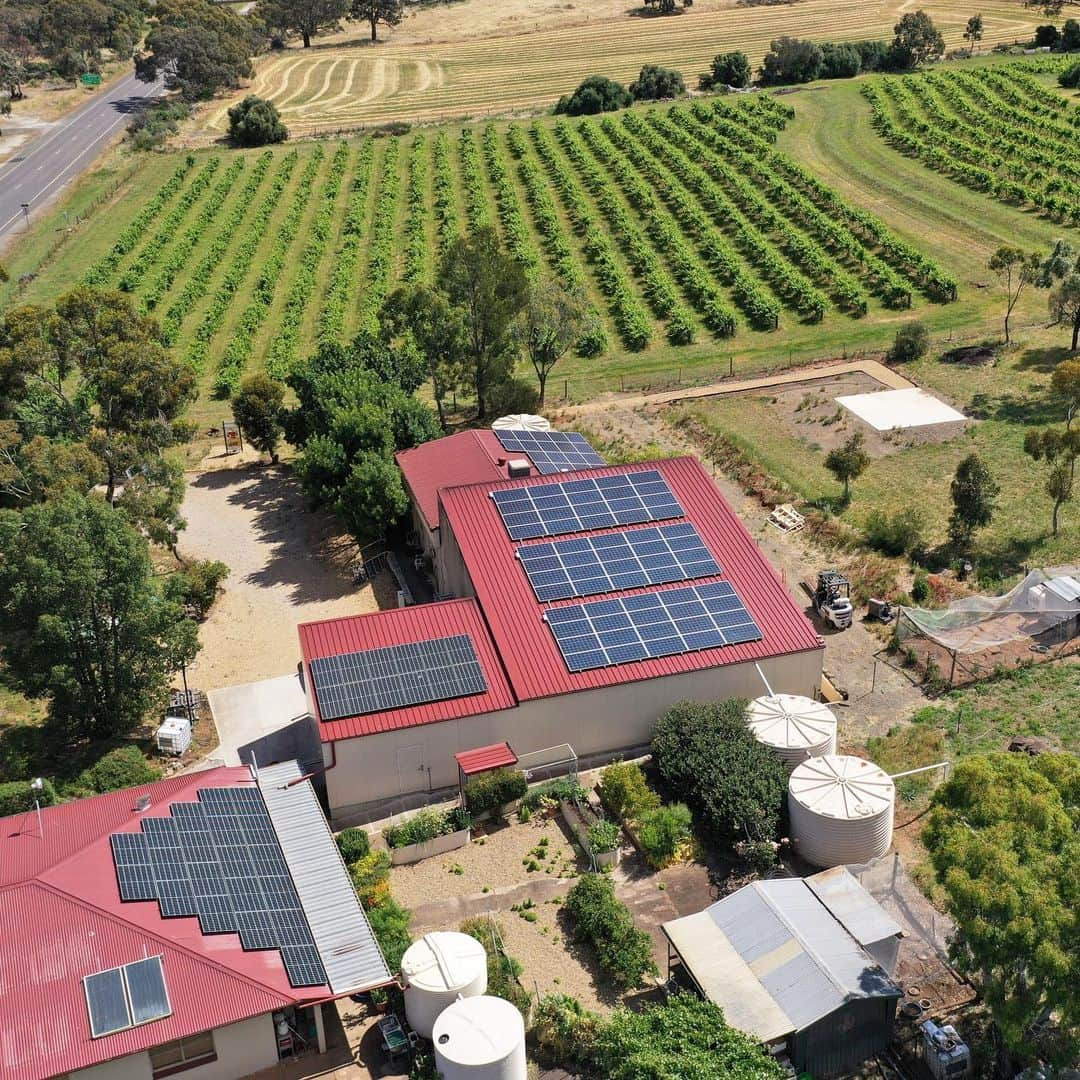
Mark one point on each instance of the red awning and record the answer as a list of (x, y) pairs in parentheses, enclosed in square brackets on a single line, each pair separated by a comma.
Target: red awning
[(483, 758)]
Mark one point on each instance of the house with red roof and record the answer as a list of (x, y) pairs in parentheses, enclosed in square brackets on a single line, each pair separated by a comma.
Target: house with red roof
[(567, 626), (195, 925)]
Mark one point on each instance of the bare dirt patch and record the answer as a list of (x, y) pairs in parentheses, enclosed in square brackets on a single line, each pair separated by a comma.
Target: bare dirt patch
[(287, 565)]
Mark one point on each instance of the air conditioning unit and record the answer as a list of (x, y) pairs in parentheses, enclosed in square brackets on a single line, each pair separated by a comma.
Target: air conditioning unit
[(517, 468), (174, 735)]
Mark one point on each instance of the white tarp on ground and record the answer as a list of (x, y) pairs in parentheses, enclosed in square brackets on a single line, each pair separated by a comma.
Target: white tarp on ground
[(887, 409), (1045, 599)]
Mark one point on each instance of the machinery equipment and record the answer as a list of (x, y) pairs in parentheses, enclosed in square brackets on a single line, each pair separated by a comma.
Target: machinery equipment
[(832, 599), (945, 1053)]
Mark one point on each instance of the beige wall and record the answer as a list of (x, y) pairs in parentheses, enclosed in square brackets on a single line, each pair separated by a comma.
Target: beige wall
[(242, 1049), (614, 718), (450, 572)]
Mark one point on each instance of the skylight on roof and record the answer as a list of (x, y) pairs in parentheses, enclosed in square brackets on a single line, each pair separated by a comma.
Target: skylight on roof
[(125, 997)]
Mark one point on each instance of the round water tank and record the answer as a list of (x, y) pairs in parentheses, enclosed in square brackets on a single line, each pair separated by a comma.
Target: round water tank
[(794, 727), (841, 810), (521, 422), (480, 1038), (437, 970)]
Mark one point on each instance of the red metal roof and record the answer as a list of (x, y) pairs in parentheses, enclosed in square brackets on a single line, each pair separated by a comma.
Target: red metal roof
[(469, 457), (483, 758), (62, 919), (527, 647), (402, 626)]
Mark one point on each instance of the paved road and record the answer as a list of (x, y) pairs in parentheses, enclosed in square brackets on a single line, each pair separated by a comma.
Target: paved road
[(41, 168)]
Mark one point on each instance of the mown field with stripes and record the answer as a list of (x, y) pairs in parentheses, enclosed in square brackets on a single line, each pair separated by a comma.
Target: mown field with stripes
[(682, 225), (337, 87)]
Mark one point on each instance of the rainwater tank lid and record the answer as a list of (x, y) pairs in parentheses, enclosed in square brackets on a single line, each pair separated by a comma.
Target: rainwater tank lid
[(521, 422), (443, 960), (478, 1030), (841, 787), (791, 721)]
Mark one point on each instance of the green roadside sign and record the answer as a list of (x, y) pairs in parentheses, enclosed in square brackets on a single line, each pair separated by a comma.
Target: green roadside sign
[(91, 78)]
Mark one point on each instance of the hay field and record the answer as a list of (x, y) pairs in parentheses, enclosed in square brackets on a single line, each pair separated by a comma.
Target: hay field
[(343, 86)]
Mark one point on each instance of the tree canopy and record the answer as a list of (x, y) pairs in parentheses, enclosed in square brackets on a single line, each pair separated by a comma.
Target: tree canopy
[(727, 69), (707, 755), (257, 407), (1058, 451), (303, 17), (1016, 269), (256, 122), (916, 40), (73, 33), (373, 12), (655, 83), (848, 462), (81, 620), (1004, 843), (597, 94), (791, 60), (552, 320), (974, 497)]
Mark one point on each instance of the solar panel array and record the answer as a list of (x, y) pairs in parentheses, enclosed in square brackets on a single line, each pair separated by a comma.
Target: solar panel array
[(124, 997), (611, 562), (595, 502), (219, 859), (397, 676), (621, 630), (552, 451)]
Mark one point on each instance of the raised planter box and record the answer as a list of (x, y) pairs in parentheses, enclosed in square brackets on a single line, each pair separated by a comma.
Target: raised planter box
[(499, 813), (579, 826), (411, 853)]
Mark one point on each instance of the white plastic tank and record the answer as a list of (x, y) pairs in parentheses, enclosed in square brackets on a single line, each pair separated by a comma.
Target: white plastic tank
[(437, 970), (480, 1038), (793, 727), (521, 422), (841, 810)]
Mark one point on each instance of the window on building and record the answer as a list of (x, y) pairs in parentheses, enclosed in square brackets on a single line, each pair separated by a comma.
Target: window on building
[(174, 1057)]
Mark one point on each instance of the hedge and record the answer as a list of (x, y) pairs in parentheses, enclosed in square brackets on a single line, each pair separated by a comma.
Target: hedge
[(123, 767), (494, 789), (599, 917), (17, 797)]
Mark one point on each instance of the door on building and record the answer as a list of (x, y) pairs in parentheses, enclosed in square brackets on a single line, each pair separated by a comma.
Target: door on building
[(410, 768)]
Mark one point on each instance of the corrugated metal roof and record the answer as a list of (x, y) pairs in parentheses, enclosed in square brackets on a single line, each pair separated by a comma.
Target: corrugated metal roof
[(528, 650), (795, 949), (469, 457), (863, 917), (496, 756), (400, 626)]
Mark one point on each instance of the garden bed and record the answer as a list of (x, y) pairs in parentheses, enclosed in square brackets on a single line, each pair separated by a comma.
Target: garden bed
[(428, 849)]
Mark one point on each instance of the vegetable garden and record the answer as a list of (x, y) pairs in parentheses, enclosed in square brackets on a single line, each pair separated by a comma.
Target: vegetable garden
[(683, 224), (996, 130)]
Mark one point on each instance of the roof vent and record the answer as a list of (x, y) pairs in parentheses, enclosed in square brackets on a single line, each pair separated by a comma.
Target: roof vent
[(518, 467), (142, 803)]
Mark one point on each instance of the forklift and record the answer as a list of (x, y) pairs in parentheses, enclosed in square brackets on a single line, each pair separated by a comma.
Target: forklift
[(832, 599)]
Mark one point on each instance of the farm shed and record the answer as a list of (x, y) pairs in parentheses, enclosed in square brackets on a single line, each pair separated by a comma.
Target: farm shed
[(795, 962), (581, 629)]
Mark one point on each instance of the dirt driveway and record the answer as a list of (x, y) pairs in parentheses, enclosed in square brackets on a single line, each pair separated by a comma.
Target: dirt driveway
[(287, 565)]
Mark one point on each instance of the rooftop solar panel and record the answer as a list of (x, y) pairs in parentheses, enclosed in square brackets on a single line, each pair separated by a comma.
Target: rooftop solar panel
[(647, 625), (610, 562), (552, 451), (126, 996), (397, 676), (219, 860), (594, 502)]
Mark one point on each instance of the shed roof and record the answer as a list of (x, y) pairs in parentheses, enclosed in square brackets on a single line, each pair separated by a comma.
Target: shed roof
[(862, 916), (780, 939), (496, 756)]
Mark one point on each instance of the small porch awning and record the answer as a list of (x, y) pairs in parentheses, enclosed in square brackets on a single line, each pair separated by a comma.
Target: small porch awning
[(484, 758)]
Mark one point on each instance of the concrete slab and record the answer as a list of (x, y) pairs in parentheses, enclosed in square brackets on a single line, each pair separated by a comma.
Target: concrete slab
[(268, 719), (890, 409)]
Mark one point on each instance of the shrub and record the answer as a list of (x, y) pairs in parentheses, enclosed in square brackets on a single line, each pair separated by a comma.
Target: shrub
[(599, 917), (504, 972), (512, 396), (873, 55), (899, 533), (1046, 36), (353, 844), (920, 587), (563, 1031), (151, 127), (911, 342), (734, 784), (840, 61), (791, 60), (256, 122), (426, 825), (727, 69), (624, 792), (661, 832), (1070, 36), (1070, 77), (655, 83), (596, 94), (553, 791), (494, 789), (603, 836), (17, 797), (370, 877), (196, 587), (390, 924), (120, 768)]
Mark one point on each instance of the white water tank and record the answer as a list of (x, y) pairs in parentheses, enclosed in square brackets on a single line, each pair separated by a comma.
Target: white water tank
[(841, 810), (521, 422), (480, 1038), (793, 727), (437, 970)]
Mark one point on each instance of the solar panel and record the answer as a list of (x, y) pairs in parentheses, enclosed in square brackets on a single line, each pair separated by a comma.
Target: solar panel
[(552, 451), (219, 860), (146, 990), (107, 1002), (396, 676), (595, 502), (647, 625), (610, 562)]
